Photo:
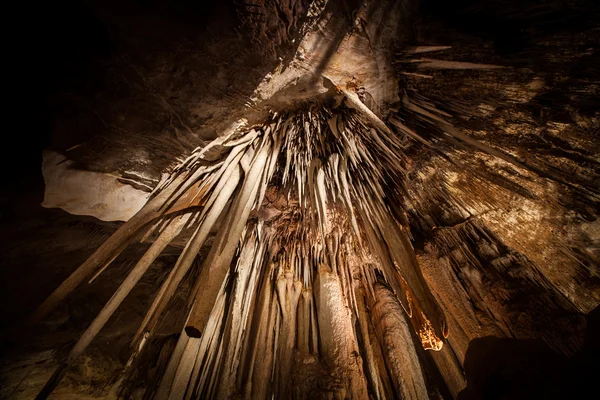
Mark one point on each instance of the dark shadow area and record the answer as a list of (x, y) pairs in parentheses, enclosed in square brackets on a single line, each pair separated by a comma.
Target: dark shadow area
[(513, 26), (529, 369), (95, 77)]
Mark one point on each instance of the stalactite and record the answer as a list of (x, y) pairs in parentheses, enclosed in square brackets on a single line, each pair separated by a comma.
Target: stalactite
[(377, 380), (288, 293), (250, 266), (337, 337), (105, 253), (276, 297), (400, 356), (311, 284), (169, 376), (265, 353), (217, 263)]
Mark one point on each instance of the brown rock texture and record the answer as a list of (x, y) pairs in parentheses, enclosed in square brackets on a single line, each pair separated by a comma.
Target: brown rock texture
[(322, 199)]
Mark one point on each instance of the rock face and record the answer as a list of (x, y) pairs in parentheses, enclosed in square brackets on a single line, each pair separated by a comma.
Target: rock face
[(88, 193), (319, 199)]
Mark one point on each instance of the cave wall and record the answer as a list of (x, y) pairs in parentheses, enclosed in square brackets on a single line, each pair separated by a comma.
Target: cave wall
[(509, 250)]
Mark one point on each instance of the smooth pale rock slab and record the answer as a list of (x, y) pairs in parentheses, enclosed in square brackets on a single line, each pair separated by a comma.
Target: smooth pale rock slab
[(82, 192)]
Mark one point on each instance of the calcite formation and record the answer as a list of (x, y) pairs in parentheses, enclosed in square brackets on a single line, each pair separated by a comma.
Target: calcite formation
[(346, 223)]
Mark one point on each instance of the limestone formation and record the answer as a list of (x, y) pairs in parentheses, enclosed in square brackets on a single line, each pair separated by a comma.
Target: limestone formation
[(340, 204)]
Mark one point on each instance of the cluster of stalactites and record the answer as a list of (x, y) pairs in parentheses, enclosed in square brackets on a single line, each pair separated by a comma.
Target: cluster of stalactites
[(284, 322), (271, 292)]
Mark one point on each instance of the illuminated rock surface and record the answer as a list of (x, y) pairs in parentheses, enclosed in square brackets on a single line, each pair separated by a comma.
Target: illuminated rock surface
[(305, 199)]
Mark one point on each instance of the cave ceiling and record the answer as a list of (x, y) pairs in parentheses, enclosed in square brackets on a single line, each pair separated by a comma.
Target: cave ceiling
[(453, 145)]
